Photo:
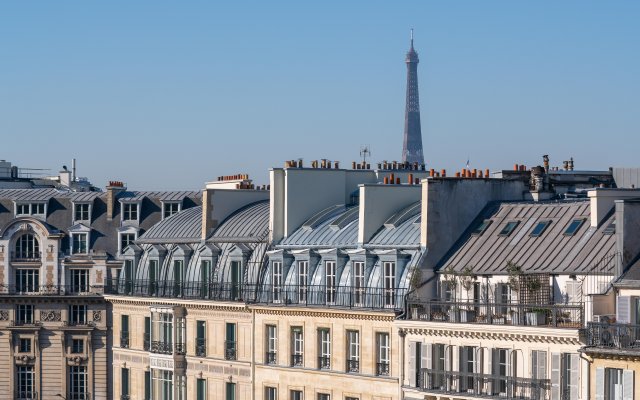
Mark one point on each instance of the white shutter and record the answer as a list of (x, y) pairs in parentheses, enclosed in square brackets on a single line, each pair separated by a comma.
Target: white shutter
[(555, 376), (574, 378), (478, 364), (542, 365), (627, 384), (412, 364), (623, 310), (600, 383), (427, 351)]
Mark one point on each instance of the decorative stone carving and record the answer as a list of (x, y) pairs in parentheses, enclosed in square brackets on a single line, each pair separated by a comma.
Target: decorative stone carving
[(99, 277), (4, 315), (49, 275), (97, 315), (50, 316), (25, 227), (24, 359), (76, 360)]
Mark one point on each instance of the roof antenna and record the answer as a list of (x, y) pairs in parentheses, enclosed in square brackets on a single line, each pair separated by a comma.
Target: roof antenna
[(365, 151)]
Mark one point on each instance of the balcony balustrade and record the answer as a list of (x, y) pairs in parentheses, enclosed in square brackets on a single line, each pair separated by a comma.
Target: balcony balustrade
[(146, 344), (297, 360), (613, 336), (124, 340), (324, 363), (382, 369), (230, 351), (26, 395), (201, 347), (26, 256), (271, 358), (482, 385), (551, 315), (353, 366), (49, 290)]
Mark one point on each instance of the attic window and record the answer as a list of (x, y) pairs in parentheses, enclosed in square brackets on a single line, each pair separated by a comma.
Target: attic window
[(574, 226), (610, 229), (482, 227), (540, 228), (508, 228)]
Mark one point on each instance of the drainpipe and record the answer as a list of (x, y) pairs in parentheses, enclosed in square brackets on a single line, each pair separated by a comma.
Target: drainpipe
[(253, 354), (401, 335), (588, 379)]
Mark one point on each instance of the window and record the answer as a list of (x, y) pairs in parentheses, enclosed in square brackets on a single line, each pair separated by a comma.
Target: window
[(124, 331), (482, 227), (126, 239), (270, 393), (201, 339), (153, 277), (610, 229), (25, 382), (469, 365), (324, 396), (201, 389), (353, 351), (162, 384), (77, 382), (147, 334), (130, 211), (147, 385), (277, 281), (77, 314), (330, 281), (439, 361), (124, 383), (79, 280), (565, 375), (358, 282), (168, 209), (540, 228), (509, 228), (79, 243), (27, 247), (297, 345), (324, 347), (389, 283), (77, 346), (230, 391), (303, 280), (27, 280), (161, 333), (539, 364), (296, 395), (30, 209), (230, 342), (22, 209), (25, 345), (81, 212), (574, 226), (24, 313), (383, 354), (272, 344), (37, 209), (614, 383), (181, 387), (205, 278), (502, 368)]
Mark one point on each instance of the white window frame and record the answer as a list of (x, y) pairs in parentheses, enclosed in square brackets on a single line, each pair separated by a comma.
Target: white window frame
[(25, 313), (276, 281), (122, 233), (25, 379), (270, 393), (78, 383), (384, 347), (75, 235), (353, 345), (358, 282), (272, 339), (170, 204), (31, 278), (303, 280), (127, 211), (162, 387), (324, 343), (77, 206), (77, 314), (32, 209), (389, 273), (79, 279), (330, 281)]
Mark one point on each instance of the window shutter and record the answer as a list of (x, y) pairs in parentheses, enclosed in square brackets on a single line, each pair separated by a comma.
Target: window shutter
[(447, 357), (462, 359), (623, 310), (574, 378), (555, 376), (513, 367), (600, 383), (542, 365), (427, 351), (412, 364), (478, 364), (627, 384)]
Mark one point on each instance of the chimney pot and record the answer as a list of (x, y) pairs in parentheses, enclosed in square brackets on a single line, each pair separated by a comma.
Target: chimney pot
[(397, 180), (386, 180), (516, 167)]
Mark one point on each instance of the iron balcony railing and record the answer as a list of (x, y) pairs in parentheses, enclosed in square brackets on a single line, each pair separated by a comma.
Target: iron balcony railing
[(201, 347), (78, 396), (49, 290), (26, 256), (382, 369), (230, 352), (28, 395), (324, 363), (271, 357), (353, 365), (182, 289), (161, 347), (297, 360), (25, 322), (125, 397), (551, 315), (613, 336), (124, 339), (483, 385), (146, 343)]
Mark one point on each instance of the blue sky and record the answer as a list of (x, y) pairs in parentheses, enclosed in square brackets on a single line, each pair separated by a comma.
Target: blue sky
[(168, 95)]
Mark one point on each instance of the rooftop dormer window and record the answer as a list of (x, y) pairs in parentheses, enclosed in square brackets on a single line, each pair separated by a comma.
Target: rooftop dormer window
[(574, 226), (170, 208), (509, 228), (540, 228), (130, 212), (81, 212), (79, 243), (35, 209)]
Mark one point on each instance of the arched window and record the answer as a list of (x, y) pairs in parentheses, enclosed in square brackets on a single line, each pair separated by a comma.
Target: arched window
[(27, 247)]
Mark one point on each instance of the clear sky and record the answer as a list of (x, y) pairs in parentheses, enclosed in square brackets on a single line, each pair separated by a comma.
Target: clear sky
[(168, 95)]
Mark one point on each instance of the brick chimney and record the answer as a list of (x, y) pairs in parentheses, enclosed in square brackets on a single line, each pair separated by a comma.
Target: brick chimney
[(113, 189)]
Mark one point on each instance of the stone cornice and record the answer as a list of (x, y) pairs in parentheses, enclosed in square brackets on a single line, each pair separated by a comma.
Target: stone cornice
[(326, 313), (189, 304)]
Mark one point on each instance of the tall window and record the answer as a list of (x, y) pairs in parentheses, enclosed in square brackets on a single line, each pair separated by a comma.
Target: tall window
[(272, 344), (389, 283), (297, 395), (358, 282), (153, 277), (130, 211), (297, 345), (146, 345), (24, 313), (81, 212), (324, 347), (77, 314), (439, 364), (79, 243), (178, 278), (330, 281), (25, 382), (77, 382), (383, 353), (303, 280), (126, 239), (79, 280), (169, 209), (502, 369), (162, 385), (468, 366), (230, 342), (162, 333), (124, 383), (124, 331), (205, 278), (201, 389), (277, 281), (236, 279), (353, 351), (201, 339), (27, 280), (270, 393), (230, 391), (539, 364), (27, 247)]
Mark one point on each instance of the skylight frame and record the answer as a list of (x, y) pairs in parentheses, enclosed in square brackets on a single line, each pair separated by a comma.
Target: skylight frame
[(480, 229), (574, 226), (508, 229), (541, 227)]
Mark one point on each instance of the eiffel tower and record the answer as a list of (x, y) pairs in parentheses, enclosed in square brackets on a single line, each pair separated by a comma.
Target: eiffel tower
[(412, 144)]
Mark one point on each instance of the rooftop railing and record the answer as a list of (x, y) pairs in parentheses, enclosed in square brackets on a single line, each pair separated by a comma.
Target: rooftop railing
[(482, 385), (613, 336), (551, 315), (50, 290), (181, 289)]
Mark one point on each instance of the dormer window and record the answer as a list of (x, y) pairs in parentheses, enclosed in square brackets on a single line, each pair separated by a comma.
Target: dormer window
[(126, 239), (79, 243), (130, 211), (35, 209), (170, 208), (23, 209), (81, 212)]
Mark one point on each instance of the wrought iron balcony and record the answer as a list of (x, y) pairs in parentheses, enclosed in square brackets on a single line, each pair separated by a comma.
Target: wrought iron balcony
[(26, 256), (324, 362), (382, 369), (297, 360), (220, 291), (26, 323), (125, 397), (613, 336), (124, 339), (483, 385), (201, 347), (271, 358), (78, 396), (49, 290), (353, 366), (161, 347), (146, 343), (180, 348), (26, 395), (551, 315), (230, 352)]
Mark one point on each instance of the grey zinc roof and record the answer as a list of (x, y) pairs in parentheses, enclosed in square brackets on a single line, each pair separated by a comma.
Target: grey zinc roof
[(85, 196), (162, 196), (183, 227), (32, 194), (337, 229), (401, 230), (552, 252), (250, 223)]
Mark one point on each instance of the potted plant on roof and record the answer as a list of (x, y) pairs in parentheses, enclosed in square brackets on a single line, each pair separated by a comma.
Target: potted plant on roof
[(514, 279), (449, 283), (468, 314), (535, 316)]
